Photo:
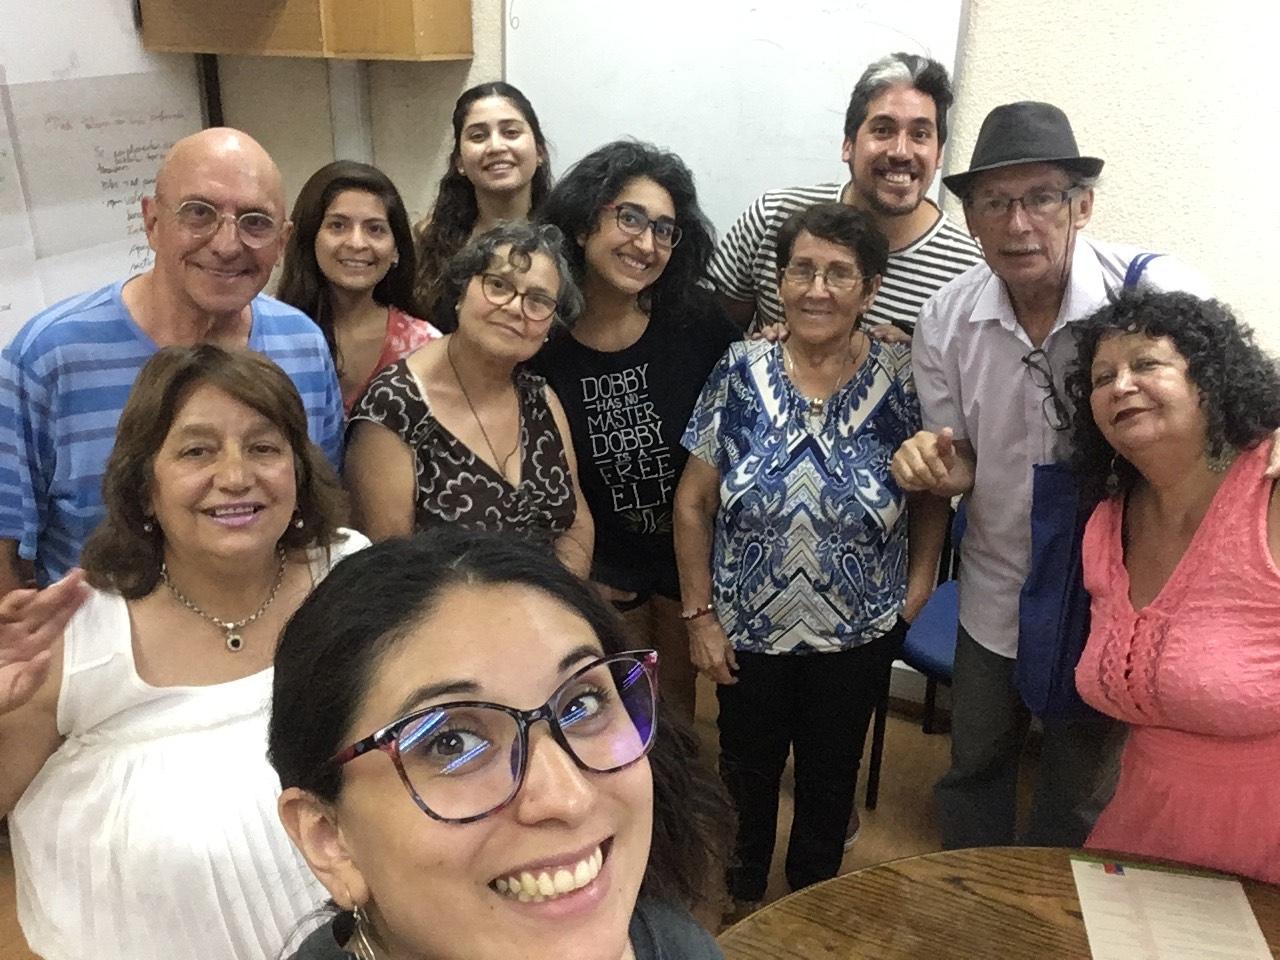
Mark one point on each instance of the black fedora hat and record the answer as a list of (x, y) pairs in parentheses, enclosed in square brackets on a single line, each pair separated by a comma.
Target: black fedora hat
[(1024, 132)]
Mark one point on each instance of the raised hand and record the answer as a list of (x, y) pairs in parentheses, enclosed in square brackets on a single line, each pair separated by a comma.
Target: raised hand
[(31, 624)]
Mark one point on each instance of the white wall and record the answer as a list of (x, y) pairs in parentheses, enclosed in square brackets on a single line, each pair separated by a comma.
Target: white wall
[(1172, 94), (1179, 97)]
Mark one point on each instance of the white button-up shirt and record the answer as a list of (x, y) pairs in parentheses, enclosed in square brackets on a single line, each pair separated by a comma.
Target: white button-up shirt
[(969, 374)]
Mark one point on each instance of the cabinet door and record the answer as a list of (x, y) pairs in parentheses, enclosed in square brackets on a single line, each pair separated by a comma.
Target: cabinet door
[(398, 29), (290, 28)]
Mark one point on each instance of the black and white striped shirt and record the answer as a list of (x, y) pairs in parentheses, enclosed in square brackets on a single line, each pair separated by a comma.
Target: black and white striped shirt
[(745, 264)]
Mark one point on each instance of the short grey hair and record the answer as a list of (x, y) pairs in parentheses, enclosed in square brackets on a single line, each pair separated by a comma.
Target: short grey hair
[(895, 70), (525, 239)]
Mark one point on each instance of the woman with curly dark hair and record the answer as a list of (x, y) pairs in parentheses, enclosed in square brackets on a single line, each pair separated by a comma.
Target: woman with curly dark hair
[(1175, 406), (349, 266), (534, 799), (498, 170), (630, 369)]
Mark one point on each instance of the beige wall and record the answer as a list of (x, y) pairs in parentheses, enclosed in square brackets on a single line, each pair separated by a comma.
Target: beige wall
[(284, 102), (1179, 97)]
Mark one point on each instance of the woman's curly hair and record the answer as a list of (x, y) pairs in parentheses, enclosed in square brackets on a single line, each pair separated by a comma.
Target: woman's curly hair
[(595, 181), (1239, 384)]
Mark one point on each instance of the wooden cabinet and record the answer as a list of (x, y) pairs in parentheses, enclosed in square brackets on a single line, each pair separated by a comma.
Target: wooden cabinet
[(355, 29)]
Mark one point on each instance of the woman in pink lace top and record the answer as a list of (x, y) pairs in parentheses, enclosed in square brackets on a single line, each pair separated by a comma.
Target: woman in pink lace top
[(349, 266), (1175, 407)]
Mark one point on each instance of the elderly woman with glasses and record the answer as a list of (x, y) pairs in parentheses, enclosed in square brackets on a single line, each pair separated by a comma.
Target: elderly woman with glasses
[(630, 370), (460, 431), (141, 809), (474, 764), (792, 542), (1175, 408)]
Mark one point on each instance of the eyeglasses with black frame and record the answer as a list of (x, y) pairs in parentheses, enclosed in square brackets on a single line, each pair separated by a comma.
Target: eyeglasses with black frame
[(500, 291), (837, 276), (202, 220), (632, 219), (1055, 409), (464, 760), (1037, 204)]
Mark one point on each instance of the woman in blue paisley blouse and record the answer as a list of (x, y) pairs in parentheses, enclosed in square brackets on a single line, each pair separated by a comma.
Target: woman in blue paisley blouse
[(459, 432), (791, 537)]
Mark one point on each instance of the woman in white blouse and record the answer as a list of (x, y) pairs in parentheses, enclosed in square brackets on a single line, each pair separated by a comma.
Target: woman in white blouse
[(140, 802)]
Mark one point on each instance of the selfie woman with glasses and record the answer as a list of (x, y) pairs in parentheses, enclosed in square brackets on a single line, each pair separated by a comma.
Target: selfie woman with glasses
[(498, 170), (475, 765), (144, 826), (630, 370), (792, 540), (349, 266), (460, 432)]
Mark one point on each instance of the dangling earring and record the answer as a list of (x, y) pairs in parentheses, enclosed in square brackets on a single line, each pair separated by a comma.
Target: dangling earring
[(1220, 460), (360, 946), (298, 522), (1113, 478)]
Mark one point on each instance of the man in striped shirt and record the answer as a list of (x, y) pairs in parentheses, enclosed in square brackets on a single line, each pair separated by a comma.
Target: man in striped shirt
[(217, 226), (894, 131)]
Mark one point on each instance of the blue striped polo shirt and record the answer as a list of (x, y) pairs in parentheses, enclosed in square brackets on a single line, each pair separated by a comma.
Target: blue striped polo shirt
[(64, 380)]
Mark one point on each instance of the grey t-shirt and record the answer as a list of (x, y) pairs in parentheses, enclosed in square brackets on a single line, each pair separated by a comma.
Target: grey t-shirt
[(659, 931)]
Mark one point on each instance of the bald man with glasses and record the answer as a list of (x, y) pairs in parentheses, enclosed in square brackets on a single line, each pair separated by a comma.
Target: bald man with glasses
[(217, 226)]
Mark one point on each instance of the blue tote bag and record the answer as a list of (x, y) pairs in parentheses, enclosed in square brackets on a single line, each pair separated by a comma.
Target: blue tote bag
[(1053, 610)]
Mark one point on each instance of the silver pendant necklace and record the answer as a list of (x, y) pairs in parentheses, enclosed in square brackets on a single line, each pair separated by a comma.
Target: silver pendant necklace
[(499, 462), (230, 628)]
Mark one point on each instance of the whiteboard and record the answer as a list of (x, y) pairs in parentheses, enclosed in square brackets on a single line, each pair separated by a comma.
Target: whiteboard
[(751, 95), (86, 116)]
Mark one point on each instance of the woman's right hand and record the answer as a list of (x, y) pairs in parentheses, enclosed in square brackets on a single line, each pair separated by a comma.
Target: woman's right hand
[(31, 622), (711, 651), (612, 594)]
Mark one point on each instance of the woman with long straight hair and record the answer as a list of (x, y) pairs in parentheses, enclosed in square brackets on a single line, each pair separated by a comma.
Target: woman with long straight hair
[(498, 170), (349, 266)]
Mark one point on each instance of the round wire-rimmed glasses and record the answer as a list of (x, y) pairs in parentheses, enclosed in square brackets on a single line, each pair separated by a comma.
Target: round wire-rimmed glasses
[(202, 220), (466, 759)]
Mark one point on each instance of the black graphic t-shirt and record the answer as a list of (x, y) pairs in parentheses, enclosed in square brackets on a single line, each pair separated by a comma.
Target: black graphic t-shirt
[(627, 411)]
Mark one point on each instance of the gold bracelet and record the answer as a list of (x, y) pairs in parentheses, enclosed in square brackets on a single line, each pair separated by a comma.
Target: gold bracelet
[(697, 612)]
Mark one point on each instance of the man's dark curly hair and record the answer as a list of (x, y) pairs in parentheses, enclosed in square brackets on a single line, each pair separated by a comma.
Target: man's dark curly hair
[(576, 202), (1239, 384)]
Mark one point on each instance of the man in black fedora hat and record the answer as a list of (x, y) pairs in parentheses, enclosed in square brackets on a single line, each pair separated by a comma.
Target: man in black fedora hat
[(989, 355)]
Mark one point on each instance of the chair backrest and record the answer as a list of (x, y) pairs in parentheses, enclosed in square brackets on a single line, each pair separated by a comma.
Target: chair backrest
[(949, 567)]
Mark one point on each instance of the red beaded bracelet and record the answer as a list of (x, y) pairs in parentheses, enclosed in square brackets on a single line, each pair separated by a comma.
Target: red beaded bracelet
[(697, 612)]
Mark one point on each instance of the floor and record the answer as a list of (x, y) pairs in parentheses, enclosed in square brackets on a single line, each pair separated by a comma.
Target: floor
[(902, 824)]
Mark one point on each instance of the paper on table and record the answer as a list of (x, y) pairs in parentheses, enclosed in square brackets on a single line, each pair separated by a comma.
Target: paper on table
[(1139, 913)]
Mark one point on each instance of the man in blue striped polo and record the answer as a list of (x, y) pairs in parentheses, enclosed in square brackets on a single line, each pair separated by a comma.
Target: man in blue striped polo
[(217, 225)]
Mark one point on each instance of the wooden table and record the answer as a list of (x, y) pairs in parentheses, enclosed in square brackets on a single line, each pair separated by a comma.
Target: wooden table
[(999, 902)]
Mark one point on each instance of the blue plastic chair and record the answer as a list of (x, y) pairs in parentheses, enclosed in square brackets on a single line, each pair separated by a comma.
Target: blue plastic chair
[(929, 648)]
